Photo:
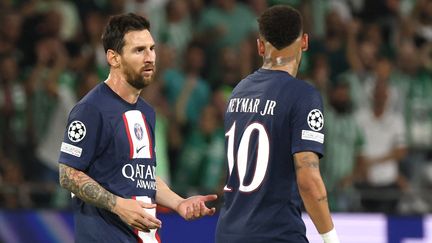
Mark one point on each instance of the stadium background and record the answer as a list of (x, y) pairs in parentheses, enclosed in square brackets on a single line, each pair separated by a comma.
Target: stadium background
[(371, 60)]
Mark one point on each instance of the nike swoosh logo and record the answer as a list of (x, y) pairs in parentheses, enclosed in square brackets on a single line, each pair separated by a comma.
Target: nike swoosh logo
[(139, 149)]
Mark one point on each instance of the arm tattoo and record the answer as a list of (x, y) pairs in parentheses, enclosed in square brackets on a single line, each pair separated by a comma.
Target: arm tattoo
[(306, 162), (86, 188), (322, 199)]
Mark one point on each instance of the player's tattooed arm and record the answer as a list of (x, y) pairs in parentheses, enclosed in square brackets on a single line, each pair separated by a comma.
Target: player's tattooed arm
[(312, 190), (306, 160), (86, 188), (129, 210), (308, 174)]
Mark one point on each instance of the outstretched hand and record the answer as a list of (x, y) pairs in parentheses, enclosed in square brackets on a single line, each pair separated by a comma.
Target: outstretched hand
[(194, 207)]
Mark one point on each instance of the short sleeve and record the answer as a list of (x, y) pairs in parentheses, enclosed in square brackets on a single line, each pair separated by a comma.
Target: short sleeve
[(81, 137), (307, 123)]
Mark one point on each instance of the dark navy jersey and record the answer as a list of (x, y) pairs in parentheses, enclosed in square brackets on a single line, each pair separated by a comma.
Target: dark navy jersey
[(111, 141), (270, 116)]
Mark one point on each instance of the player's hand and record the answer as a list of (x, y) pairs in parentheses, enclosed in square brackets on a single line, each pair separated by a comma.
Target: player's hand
[(194, 207), (132, 213)]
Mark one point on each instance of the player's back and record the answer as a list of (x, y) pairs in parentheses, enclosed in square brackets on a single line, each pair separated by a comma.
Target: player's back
[(262, 203)]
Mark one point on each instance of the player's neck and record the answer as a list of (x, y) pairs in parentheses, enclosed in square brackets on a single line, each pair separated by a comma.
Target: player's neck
[(122, 88), (282, 64), (286, 59)]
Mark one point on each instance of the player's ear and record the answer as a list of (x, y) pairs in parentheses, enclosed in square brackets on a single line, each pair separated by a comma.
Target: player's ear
[(113, 58), (305, 42), (261, 47)]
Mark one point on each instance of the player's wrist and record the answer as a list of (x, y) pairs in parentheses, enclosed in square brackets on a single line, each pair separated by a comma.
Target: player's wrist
[(177, 203), (330, 237), (117, 205)]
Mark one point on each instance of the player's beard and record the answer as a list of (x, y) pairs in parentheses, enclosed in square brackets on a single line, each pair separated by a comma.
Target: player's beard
[(136, 79)]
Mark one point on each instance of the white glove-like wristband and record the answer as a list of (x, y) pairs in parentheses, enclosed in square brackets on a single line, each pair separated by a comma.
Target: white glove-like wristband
[(330, 237)]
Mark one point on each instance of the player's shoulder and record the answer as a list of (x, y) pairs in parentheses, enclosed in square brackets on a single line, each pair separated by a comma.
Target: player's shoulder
[(278, 84), (95, 95), (306, 88), (306, 93), (294, 87), (93, 100), (280, 78), (145, 105)]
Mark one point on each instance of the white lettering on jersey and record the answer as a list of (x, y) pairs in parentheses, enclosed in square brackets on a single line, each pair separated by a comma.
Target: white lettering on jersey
[(313, 136), (249, 105), (262, 158), (71, 149), (268, 108), (138, 134), (144, 175)]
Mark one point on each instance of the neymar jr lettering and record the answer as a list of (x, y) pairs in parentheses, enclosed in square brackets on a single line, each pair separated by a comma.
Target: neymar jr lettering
[(250, 105)]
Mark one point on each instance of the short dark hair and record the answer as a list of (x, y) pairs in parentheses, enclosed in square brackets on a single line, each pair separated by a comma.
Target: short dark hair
[(118, 26), (280, 25)]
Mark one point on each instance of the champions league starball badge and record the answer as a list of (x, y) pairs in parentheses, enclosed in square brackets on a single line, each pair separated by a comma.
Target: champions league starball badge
[(76, 131), (315, 120)]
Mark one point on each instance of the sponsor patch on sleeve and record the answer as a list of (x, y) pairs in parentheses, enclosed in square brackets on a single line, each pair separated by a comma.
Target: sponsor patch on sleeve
[(313, 136), (71, 149)]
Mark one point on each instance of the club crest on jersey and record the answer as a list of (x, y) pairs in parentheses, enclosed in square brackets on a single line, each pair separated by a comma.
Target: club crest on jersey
[(76, 131), (138, 131), (315, 120)]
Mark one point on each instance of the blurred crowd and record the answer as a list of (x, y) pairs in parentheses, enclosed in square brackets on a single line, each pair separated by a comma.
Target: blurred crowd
[(371, 60)]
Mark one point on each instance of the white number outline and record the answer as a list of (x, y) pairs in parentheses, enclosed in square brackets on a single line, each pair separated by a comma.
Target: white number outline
[(262, 158)]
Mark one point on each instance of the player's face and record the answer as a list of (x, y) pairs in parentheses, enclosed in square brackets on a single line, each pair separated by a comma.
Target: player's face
[(138, 58)]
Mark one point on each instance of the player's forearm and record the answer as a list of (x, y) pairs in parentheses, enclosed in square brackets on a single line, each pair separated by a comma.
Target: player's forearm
[(312, 190), (165, 196), (314, 198), (86, 188)]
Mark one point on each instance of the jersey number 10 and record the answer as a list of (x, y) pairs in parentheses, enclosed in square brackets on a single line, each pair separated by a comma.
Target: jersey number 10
[(262, 158)]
